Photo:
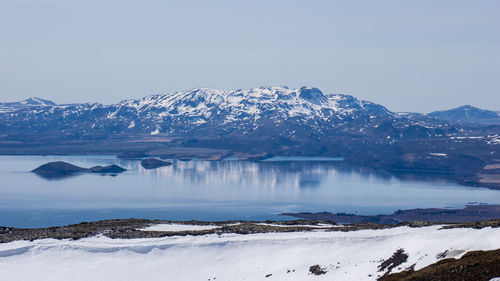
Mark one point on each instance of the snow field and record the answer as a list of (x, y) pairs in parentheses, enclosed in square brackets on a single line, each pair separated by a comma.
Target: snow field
[(287, 256)]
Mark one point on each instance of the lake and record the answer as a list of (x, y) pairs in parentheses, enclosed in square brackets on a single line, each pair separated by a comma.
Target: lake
[(216, 190)]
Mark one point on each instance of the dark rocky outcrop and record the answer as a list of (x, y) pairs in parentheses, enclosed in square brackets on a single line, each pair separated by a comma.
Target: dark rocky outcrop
[(476, 265), (111, 169), (317, 270), (153, 163), (61, 169), (399, 257)]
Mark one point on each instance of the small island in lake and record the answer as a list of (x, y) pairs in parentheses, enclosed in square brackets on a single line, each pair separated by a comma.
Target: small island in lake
[(153, 163), (61, 169)]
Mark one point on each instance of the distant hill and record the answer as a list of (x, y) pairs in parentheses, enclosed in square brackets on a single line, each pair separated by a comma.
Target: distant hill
[(468, 114), (29, 103)]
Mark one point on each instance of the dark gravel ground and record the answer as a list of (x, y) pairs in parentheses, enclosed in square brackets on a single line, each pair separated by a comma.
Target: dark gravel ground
[(129, 228)]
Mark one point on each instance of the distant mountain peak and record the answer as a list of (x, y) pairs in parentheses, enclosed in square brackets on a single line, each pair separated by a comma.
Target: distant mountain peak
[(313, 95), (31, 102), (36, 101), (467, 113), (467, 107)]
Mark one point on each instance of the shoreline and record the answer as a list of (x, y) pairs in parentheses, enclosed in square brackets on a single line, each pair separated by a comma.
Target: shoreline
[(468, 214), (141, 228)]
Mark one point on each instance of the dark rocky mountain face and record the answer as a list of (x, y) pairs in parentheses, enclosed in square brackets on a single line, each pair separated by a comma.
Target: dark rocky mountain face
[(468, 114)]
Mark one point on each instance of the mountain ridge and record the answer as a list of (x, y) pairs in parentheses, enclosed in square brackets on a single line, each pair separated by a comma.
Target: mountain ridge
[(320, 98), (164, 113), (282, 112)]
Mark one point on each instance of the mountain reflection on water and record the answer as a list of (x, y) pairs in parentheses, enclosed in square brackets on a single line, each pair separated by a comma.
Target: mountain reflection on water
[(216, 190), (287, 174), (292, 174)]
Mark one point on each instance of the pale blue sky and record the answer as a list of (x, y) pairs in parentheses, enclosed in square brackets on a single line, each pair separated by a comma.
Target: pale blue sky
[(408, 55)]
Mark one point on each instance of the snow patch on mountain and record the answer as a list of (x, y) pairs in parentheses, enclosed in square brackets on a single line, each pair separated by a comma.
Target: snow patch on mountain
[(251, 104)]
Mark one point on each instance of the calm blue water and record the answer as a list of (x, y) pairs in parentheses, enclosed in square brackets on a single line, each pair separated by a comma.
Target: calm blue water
[(214, 190)]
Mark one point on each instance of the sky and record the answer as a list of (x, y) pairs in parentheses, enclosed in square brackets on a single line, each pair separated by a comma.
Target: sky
[(407, 55)]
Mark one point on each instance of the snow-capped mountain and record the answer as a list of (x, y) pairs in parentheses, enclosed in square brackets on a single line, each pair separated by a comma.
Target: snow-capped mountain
[(246, 110), (200, 111), (291, 115)]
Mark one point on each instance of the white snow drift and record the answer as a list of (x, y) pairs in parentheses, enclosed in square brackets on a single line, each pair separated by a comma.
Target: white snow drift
[(178, 227), (280, 256)]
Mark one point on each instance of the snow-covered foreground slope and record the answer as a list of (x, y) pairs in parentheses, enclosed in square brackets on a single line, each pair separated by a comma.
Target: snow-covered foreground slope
[(353, 255)]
